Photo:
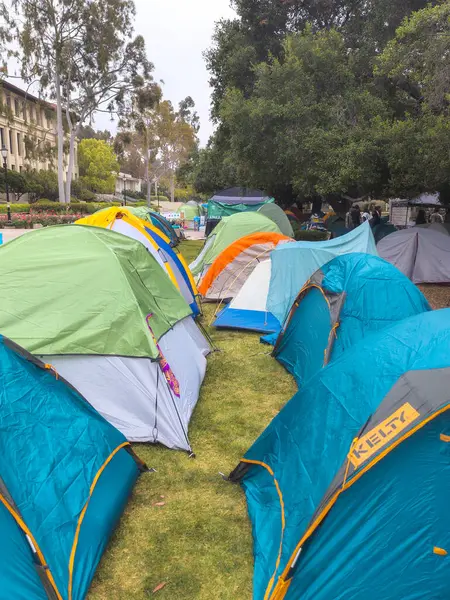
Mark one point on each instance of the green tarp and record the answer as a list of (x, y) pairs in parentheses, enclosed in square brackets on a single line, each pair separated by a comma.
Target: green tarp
[(75, 290), (217, 210)]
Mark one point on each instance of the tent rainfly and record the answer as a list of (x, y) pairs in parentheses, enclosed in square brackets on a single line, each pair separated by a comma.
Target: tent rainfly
[(421, 254), (170, 259), (347, 488), (97, 306), (342, 303), (66, 475)]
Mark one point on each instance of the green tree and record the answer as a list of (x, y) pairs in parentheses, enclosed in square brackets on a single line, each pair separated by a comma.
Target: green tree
[(310, 127), (98, 166), (415, 60), (82, 54)]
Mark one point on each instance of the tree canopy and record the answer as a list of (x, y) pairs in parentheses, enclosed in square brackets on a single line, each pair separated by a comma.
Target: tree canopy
[(98, 166), (336, 100)]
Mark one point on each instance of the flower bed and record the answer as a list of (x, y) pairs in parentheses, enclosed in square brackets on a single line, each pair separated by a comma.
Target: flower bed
[(26, 221)]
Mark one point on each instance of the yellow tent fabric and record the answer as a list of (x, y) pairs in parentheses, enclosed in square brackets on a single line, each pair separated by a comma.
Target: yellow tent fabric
[(124, 221)]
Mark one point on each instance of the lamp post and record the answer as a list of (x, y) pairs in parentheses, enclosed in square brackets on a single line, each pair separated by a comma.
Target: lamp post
[(124, 190), (5, 166)]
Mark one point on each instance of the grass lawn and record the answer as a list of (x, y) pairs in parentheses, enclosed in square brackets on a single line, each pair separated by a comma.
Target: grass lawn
[(199, 542)]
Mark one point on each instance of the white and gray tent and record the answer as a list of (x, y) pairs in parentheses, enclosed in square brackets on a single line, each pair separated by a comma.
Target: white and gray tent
[(422, 254)]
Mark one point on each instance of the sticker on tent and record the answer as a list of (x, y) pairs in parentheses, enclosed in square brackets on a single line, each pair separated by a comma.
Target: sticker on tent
[(381, 435)]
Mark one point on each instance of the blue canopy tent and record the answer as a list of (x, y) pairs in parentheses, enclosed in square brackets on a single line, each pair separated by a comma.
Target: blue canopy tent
[(65, 477), (348, 487), (232, 201)]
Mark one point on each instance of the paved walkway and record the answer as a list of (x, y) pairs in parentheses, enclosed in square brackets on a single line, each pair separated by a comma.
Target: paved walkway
[(12, 234)]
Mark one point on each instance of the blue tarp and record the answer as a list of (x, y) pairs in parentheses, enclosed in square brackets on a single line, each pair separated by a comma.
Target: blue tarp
[(53, 445), (378, 540), (293, 264)]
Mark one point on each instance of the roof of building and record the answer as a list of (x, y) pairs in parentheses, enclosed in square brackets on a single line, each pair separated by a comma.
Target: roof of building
[(24, 94)]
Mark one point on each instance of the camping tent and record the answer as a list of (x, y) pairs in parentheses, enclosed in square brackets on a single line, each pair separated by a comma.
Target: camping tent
[(293, 265), (278, 216), (157, 220), (347, 299), (441, 228), (66, 475), (189, 211), (98, 307), (232, 201), (233, 266), (347, 488), (228, 231), (248, 309), (421, 254), (170, 259)]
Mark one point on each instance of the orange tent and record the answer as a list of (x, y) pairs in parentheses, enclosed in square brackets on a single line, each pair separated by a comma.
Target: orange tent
[(234, 265)]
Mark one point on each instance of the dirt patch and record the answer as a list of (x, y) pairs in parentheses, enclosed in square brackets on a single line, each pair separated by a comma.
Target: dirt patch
[(437, 295)]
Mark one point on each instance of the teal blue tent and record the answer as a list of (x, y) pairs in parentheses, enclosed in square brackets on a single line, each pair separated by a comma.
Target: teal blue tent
[(65, 477), (348, 487), (347, 299), (293, 264)]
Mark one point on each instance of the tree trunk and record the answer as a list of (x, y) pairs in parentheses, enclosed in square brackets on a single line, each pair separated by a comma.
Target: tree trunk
[(172, 188), (73, 137), (60, 135), (147, 179)]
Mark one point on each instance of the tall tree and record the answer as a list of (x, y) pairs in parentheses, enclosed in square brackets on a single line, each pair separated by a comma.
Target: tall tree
[(165, 138), (98, 166), (308, 129), (80, 53)]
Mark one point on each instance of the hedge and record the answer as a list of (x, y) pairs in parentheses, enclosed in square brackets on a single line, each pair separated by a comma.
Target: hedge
[(58, 208), (311, 235)]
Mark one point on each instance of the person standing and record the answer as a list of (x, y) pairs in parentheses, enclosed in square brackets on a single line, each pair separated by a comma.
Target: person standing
[(421, 217), (366, 216), (355, 214), (436, 217)]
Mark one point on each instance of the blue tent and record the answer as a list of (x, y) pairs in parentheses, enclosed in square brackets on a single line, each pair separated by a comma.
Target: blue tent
[(65, 477), (347, 299), (157, 220), (348, 487), (293, 264), (180, 268)]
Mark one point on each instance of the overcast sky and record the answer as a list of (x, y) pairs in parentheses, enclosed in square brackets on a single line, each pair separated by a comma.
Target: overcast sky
[(177, 32)]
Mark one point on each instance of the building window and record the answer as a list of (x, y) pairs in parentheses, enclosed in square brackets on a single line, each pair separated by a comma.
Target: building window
[(20, 169), (38, 115), (19, 147), (11, 148), (8, 101), (31, 112), (13, 167), (24, 111), (17, 107), (2, 138)]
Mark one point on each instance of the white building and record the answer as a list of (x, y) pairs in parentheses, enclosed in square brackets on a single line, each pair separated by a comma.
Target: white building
[(127, 182), (28, 130)]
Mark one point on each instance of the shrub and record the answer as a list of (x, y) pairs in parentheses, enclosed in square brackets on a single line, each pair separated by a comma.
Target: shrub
[(311, 236), (87, 196)]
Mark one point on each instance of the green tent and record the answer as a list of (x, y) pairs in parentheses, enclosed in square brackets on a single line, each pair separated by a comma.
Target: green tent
[(228, 231), (98, 307), (62, 286), (278, 216), (190, 211)]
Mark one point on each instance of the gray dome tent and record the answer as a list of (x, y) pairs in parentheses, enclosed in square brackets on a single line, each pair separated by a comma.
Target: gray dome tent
[(422, 254)]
